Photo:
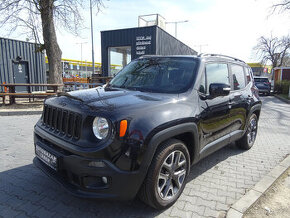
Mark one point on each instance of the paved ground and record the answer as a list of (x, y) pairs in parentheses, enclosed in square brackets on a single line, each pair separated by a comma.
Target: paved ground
[(214, 183)]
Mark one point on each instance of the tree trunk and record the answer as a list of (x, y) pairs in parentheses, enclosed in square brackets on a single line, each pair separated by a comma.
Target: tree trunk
[(50, 42)]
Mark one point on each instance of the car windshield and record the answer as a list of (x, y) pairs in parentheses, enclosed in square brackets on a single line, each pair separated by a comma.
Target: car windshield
[(162, 74), (261, 80)]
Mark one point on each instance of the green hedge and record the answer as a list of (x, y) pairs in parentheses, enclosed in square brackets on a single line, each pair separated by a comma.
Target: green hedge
[(282, 87)]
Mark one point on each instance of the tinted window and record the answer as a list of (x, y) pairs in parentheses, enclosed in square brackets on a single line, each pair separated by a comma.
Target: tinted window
[(216, 73), (202, 84), (166, 75), (248, 75), (261, 80), (238, 77)]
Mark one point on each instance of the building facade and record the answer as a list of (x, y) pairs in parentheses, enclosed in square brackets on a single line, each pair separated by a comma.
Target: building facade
[(21, 62), (121, 46)]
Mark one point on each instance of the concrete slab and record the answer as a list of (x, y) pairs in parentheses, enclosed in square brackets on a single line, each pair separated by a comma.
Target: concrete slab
[(264, 184), (246, 201), (277, 171), (285, 162), (232, 213)]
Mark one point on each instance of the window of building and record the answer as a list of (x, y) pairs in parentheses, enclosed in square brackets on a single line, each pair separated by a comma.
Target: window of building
[(119, 57)]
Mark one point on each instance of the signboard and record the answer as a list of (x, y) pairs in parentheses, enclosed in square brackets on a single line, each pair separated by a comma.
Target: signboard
[(142, 42)]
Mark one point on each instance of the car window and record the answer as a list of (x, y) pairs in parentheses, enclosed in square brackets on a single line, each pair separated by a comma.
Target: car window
[(202, 87), (248, 75), (238, 77), (160, 74), (262, 80), (216, 73)]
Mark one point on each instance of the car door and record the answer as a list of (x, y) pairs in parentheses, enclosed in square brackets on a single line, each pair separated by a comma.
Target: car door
[(237, 100), (214, 117)]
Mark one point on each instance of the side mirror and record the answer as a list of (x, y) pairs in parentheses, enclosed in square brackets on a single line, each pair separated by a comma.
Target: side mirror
[(219, 89)]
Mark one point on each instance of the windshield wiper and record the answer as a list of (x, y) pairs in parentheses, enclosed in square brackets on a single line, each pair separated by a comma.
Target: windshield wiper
[(111, 87)]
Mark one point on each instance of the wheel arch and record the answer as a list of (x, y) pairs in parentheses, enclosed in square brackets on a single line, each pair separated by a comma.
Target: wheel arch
[(186, 132)]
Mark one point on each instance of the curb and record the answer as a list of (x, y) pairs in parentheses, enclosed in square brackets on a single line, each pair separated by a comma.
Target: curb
[(18, 113), (282, 99), (238, 209)]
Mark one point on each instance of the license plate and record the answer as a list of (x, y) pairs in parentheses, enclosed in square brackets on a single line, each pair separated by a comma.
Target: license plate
[(46, 157)]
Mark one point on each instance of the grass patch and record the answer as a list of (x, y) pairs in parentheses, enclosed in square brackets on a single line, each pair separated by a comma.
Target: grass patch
[(284, 96)]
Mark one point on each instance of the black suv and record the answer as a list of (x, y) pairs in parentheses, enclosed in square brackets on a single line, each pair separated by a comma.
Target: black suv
[(263, 85), (143, 131)]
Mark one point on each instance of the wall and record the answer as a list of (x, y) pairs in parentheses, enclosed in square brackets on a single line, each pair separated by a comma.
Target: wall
[(10, 50), (286, 74), (134, 37), (150, 40), (166, 44)]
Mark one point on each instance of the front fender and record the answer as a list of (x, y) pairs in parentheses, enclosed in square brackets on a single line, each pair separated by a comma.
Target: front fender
[(168, 133)]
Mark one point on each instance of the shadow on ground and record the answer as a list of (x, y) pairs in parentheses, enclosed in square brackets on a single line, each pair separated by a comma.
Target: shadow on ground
[(28, 190)]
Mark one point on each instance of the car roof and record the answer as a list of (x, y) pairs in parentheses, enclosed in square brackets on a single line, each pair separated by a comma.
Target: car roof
[(202, 56), (260, 77)]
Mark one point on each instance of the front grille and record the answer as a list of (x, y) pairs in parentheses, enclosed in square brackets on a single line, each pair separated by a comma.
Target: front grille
[(62, 121)]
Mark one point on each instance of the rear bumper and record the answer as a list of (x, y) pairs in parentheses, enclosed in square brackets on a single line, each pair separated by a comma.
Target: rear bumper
[(84, 176), (263, 90)]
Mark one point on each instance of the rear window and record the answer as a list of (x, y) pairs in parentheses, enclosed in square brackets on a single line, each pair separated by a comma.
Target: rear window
[(238, 77), (261, 80), (248, 75)]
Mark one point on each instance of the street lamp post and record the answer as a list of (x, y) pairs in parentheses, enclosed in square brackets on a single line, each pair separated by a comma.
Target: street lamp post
[(200, 47), (175, 23), (92, 36), (81, 43)]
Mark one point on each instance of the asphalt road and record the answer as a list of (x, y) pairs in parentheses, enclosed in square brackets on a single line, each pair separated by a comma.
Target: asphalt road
[(213, 185)]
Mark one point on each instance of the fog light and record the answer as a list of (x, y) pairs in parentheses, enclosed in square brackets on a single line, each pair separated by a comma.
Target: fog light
[(96, 164), (104, 179)]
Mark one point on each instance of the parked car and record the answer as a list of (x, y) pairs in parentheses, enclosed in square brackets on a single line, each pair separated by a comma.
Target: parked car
[(144, 131), (263, 84)]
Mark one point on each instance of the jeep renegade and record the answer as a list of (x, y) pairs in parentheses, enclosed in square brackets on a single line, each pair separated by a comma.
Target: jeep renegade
[(141, 133)]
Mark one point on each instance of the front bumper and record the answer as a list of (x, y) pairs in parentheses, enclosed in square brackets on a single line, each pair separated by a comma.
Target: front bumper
[(81, 178)]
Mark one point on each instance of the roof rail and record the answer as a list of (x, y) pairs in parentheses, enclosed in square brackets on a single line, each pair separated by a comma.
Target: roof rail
[(220, 55)]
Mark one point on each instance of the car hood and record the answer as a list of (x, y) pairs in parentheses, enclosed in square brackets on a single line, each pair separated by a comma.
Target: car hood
[(101, 98)]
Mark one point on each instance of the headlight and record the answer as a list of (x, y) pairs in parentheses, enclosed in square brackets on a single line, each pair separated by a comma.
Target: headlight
[(100, 127)]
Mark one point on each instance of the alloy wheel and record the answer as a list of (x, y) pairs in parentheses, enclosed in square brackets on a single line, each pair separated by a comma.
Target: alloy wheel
[(171, 175), (252, 131)]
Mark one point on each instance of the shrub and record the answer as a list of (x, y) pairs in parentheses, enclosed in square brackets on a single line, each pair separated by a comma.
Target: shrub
[(282, 87)]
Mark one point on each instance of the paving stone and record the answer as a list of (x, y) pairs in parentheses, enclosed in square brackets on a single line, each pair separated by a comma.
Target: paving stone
[(214, 184), (42, 212), (8, 212), (192, 207), (180, 213), (210, 213)]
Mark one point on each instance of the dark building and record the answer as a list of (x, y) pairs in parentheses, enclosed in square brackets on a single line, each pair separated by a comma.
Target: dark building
[(21, 63), (121, 46)]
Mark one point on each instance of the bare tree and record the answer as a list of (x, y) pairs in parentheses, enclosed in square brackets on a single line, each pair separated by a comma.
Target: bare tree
[(34, 17), (273, 49), (282, 6)]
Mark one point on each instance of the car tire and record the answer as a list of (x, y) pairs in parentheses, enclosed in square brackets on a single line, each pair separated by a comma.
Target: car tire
[(248, 139), (166, 175)]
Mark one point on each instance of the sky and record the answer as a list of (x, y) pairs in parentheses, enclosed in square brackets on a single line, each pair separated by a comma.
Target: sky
[(229, 27)]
